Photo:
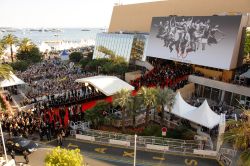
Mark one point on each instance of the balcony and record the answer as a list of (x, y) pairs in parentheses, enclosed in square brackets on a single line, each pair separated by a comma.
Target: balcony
[(238, 89)]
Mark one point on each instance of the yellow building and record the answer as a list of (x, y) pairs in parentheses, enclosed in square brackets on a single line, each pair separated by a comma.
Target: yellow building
[(138, 17)]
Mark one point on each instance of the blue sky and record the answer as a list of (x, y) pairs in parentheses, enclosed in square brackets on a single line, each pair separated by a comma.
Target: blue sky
[(58, 13)]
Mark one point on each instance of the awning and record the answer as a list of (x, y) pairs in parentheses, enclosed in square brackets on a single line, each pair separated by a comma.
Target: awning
[(12, 81), (181, 107), (204, 116), (108, 85), (246, 74)]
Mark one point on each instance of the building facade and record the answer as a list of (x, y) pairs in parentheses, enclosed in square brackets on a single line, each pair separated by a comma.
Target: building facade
[(127, 45), (217, 83), (138, 17)]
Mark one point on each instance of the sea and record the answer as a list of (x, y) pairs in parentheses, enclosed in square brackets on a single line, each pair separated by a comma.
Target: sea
[(75, 35)]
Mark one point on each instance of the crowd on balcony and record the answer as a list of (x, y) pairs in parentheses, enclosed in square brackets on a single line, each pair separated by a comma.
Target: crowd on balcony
[(164, 74)]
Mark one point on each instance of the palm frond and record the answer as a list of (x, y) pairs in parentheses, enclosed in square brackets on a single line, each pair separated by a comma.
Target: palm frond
[(5, 71)]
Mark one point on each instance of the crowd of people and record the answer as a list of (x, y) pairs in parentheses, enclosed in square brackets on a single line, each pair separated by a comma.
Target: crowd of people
[(164, 74), (52, 77), (49, 123)]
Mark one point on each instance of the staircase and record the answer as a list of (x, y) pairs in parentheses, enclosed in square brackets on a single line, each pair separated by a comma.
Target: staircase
[(145, 64)]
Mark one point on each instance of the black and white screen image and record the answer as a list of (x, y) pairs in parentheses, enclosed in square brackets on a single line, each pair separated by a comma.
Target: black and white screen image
[(203, 40)]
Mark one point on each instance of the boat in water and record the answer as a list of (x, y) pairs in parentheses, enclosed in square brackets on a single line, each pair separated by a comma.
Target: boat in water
[(85, 29)]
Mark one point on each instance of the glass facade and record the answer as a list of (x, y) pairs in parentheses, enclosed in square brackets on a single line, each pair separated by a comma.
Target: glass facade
[(229, 98), (121, 44)]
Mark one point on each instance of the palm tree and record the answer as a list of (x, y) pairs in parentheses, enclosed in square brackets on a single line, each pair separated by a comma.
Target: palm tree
[(25, 45), (5, 71), (122, 99), (165, 97), (238, 134), (148, 96), (134, 105), (1, 48), (10, 40)]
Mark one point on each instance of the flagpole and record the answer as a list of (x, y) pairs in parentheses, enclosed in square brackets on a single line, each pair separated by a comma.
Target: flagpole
[(3, 142), (135, 151)]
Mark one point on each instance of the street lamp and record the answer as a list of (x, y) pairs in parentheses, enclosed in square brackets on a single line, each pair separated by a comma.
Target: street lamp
[(99, 69), (135, 151)]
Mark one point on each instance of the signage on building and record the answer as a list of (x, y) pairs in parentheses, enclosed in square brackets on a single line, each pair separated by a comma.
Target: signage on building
[(203, 40)]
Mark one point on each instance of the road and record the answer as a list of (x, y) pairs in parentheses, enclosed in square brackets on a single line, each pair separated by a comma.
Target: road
[(124, 157)]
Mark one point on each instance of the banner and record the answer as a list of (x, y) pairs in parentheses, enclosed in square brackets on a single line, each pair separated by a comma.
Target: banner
[(203, 40)]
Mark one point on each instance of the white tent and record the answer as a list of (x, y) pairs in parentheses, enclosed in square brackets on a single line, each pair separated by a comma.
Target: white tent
[(181, 107), (14, 49), (13, 80), (246, 74), (44, 47), (108, 85), (204, 116)]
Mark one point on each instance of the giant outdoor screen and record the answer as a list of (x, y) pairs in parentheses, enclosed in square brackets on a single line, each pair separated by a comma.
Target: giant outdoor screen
[(203, 40)]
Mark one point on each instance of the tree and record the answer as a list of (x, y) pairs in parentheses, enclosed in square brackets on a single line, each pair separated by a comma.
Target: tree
[(5, 71), (247, 43), (149, 99), (10, 40), (122, 99), (96, 114), (20, 65), (164, 97), (246, 58), (75, 57), (31, 55), (60, 157), (1, 48), (106, 52), (137, 47), (25, 45), (134, 105), (238, 134)]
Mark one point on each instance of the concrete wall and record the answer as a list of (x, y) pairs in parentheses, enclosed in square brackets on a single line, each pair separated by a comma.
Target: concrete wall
[(137, 17), (209, 72), (132, 75), (187, 91)]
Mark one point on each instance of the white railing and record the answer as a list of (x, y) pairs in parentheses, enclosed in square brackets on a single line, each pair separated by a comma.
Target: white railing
[(140, 119), (79, 125), (143, 142)]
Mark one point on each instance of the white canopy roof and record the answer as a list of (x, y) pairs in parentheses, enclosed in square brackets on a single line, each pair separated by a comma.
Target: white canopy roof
[(204, 116), (181, 107), (108, 85), (13, 80), (44, 47), (246, 74)]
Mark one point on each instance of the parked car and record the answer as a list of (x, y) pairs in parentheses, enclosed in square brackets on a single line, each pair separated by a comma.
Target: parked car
[(21, 144)]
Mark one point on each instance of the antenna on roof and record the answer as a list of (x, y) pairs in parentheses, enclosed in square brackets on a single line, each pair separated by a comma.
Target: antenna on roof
[(118, 3)]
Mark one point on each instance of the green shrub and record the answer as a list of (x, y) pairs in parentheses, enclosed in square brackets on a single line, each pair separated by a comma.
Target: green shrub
[(181, 132), (20, 65), (84, 62), (61, 157), (33, 55), (75, 57), (152, 130)]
